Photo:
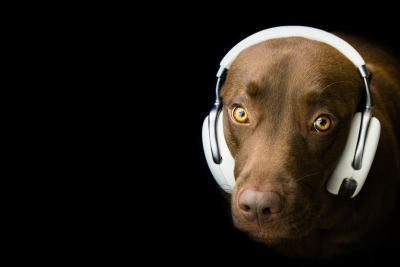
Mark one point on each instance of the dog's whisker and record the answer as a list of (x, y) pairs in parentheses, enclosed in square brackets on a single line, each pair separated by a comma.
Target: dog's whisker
[(334, 83), (285, 225), (300, 217), (307, 176), (297, 229)]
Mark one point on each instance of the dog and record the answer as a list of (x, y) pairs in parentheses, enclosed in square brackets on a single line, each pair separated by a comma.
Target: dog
[(287, 110)]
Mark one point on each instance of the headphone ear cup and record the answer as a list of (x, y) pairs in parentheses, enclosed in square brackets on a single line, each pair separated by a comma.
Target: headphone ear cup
[(344, 169), (371, 144), (223, 172), (228, 163)]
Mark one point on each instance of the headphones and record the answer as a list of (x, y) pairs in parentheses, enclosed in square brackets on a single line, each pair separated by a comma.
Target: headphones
[(352, 169)]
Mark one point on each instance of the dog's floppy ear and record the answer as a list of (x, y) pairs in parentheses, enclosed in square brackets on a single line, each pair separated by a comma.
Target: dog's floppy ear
[(223, 172), (345, 180)]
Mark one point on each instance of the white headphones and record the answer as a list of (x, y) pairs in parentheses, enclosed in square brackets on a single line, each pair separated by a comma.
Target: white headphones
[(356, 160)]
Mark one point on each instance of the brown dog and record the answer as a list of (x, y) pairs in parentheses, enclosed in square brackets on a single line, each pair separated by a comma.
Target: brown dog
[(284, 85)]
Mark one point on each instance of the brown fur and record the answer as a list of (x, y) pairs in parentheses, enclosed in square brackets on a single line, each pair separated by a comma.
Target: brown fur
[(285, 84)]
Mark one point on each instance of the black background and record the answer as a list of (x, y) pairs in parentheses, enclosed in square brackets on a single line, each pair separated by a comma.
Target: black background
[(165, 206), (198, 220)]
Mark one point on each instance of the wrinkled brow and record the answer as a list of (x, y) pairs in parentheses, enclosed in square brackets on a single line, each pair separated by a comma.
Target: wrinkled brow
[(328, 86), (252, 88), (328, 96), (326, 91)]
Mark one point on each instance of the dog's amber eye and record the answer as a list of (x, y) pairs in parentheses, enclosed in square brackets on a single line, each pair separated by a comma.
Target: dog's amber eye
[(322, 124), (239, 114)]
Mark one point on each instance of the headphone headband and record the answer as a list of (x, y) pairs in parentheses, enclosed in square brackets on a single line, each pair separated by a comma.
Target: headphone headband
[(292, 31)]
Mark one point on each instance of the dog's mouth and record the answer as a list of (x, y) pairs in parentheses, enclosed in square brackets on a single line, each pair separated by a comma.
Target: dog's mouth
[(282, 229), (273, 237)]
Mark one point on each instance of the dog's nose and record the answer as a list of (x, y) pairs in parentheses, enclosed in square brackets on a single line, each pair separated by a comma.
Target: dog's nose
[(259, 205)]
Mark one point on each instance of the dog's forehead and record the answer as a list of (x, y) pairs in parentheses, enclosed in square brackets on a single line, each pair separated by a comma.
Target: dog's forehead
[(300, 57), (274, 51), (284, 62)]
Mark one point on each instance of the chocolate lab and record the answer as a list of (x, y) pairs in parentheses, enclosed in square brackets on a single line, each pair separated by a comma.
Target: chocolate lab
[(287, 108)]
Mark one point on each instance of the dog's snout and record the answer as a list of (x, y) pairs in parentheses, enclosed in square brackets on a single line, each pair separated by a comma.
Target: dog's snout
[(259, 205)]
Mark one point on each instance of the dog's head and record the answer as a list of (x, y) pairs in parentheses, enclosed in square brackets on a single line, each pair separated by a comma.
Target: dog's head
[(287, 110)]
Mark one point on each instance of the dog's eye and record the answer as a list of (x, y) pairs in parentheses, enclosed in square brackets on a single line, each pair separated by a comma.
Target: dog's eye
[(239, 114), (322, 124)]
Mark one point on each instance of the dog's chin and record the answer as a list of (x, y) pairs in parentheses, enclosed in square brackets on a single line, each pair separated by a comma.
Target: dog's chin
[(263, 236), (272, 238), (277, 234), (267, 236)]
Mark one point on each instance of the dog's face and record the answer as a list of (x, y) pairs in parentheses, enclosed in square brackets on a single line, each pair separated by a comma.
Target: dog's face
[(273, 94)]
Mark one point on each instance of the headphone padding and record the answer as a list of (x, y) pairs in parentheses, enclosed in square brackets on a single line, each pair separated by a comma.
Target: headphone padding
[(371, 144), (344, 168), (227, 164)]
